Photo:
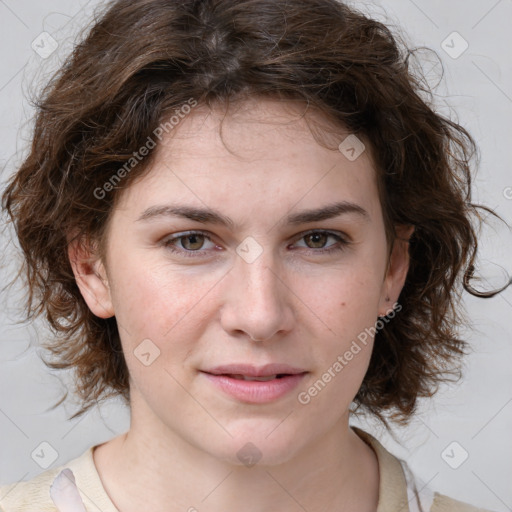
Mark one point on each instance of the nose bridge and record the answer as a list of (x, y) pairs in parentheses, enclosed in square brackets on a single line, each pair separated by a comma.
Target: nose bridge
[(260, 281), (259, 305)]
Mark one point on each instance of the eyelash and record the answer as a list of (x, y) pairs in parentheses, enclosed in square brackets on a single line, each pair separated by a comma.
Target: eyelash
[(168, 243)]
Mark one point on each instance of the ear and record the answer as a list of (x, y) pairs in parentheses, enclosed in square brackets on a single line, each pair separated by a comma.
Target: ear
[(90, 275), (398, 266)]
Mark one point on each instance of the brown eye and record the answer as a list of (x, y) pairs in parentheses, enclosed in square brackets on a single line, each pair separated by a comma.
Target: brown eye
[(188, 244), (192, 242), (317, 240)]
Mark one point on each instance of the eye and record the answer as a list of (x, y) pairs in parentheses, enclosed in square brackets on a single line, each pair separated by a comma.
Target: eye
[(190, 242), (316, 241)]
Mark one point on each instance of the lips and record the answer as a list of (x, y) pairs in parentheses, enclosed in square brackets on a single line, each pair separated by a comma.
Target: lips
[(257, 385), (246, 370), (259, 379)]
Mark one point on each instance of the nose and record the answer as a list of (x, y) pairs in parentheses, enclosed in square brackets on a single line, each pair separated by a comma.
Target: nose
[(258, 301)]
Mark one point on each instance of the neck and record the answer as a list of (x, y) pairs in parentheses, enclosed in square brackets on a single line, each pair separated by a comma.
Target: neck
[(145, 469)]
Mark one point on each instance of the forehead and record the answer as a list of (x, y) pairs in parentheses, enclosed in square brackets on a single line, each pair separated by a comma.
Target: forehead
[(263, 152), (252, 126)]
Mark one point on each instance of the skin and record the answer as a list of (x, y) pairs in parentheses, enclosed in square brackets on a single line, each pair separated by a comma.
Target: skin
[(292, 305)]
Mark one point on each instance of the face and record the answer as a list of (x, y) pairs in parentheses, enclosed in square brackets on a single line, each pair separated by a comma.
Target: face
[(284, 264)]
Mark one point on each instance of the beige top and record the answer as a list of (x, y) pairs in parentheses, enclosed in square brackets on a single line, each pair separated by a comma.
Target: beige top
[(396, 487)]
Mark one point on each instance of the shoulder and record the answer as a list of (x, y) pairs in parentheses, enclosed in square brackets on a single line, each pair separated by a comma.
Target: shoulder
[(34, 495), (444, 503), (422, 498), (400, 489), (26, 496)]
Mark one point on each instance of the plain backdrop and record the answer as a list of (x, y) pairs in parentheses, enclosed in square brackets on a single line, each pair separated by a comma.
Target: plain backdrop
[(460, 443)]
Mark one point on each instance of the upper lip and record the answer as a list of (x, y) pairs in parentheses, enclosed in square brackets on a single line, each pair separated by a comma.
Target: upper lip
[(254, 371)]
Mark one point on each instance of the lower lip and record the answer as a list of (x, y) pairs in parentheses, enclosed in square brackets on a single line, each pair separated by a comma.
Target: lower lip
[(254, 391)]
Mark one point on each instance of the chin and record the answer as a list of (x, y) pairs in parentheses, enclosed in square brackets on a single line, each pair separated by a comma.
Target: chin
[(259, 444)]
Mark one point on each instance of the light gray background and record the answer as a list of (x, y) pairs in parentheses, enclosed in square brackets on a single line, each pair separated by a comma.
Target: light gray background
[(476, 413)]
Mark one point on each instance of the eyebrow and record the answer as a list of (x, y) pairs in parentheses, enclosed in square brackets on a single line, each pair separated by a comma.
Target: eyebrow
[(205, 216)]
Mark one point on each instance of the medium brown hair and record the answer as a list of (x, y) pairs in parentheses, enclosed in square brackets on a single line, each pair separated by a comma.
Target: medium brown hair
[(144, 59)]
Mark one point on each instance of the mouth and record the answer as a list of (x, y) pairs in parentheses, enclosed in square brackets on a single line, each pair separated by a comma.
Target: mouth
[(242, 370), (255, 385), (259, 379)]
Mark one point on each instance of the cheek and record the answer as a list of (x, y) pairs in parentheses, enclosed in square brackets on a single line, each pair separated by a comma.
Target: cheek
[(346, 301), (344, 297), (154, 301), (156, 313)]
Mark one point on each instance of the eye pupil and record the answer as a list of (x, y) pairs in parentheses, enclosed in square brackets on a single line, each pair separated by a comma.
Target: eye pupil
[(319, 238), (188, 238)]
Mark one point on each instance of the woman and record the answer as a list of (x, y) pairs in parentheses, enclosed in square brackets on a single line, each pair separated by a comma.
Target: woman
[(243, 218)]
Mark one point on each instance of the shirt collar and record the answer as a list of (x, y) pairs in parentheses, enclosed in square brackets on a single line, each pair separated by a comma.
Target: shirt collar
[(392, 482)]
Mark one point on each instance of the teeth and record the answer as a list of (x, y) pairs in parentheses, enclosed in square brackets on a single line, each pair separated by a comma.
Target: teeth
[(261, 379)]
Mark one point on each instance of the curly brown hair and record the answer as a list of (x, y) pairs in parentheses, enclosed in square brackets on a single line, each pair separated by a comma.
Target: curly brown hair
[(142, 60)]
